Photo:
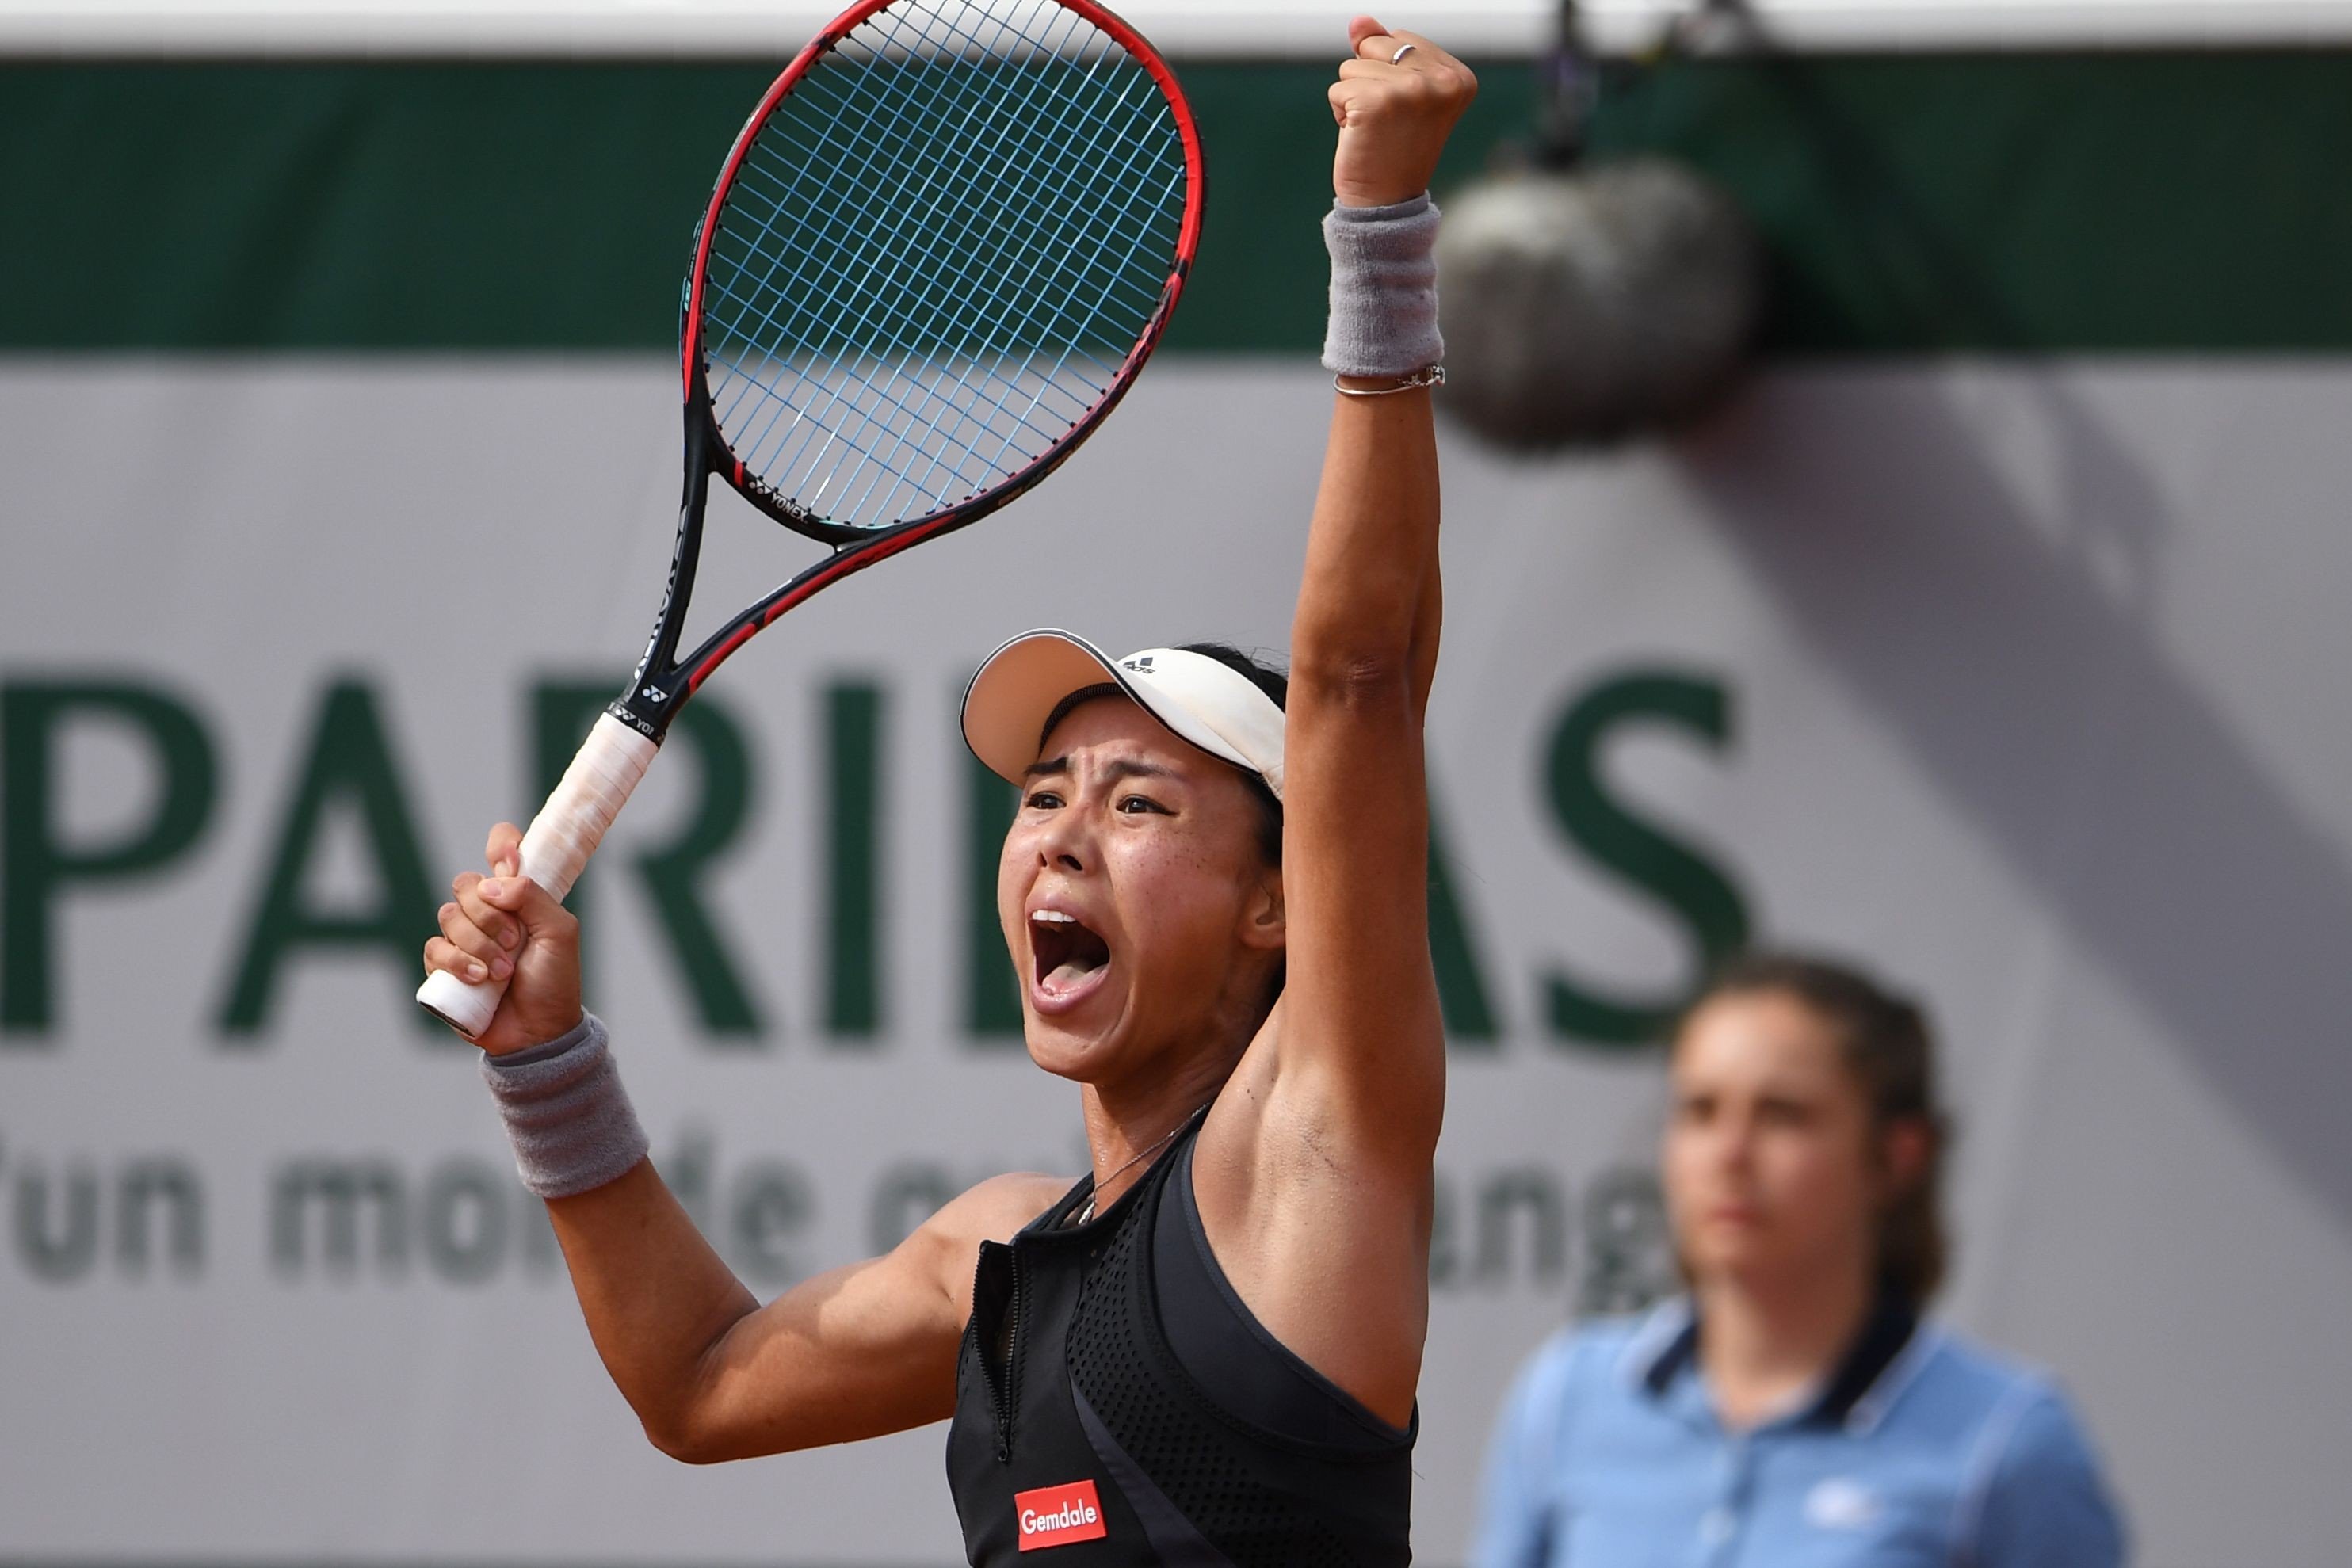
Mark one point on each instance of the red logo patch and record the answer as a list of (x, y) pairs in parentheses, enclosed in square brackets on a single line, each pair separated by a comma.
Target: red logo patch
[(1058, 1516)]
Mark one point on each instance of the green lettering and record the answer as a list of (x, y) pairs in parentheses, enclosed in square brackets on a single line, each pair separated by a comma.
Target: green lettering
[(37, 866), (671, 875), (853, 749), (992, 991), (562, 711), (1462, 993), (1697, 892), (350, 769)]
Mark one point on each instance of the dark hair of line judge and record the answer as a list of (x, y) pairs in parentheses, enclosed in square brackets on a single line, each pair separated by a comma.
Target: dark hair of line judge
[(1266, 678), (1887, 1044)]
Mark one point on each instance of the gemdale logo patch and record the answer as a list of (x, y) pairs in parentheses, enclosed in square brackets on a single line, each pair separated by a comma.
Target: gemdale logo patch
[(1058, 1516)]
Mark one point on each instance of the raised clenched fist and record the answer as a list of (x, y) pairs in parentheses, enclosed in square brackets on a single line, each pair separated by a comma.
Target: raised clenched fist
[(1396, 102)]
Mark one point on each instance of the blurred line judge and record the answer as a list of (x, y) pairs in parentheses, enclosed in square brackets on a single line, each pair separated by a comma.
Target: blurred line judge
[(1795, 1410)]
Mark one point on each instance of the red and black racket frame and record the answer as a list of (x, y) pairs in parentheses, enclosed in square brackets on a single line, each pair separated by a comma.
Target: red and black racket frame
[(663, 682)]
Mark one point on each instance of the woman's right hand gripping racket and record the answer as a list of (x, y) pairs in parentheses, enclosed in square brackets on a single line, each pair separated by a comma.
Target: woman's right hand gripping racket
[(936, 257)]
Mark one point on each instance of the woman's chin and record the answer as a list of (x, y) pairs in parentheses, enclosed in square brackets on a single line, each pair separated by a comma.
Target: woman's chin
[(1730, 1259), (1073, 1041), (1081, 1059)]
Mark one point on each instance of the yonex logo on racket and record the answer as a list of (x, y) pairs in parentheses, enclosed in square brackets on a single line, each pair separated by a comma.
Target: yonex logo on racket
[(1060, 1516)]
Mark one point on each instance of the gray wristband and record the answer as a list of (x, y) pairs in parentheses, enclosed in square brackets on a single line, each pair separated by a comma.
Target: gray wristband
[(1383, 289), (566, 1114)]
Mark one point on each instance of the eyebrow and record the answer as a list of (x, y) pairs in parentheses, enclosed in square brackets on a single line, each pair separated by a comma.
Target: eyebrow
[(1126, 767)]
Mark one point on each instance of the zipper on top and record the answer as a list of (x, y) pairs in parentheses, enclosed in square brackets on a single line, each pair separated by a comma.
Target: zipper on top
[(1014, 1346), (1003, 1383)]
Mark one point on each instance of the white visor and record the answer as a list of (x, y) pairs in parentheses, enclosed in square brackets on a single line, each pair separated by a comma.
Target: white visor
[(1203, 700)]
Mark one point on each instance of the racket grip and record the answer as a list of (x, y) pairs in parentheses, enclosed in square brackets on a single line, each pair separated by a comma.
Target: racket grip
[(555, 851)]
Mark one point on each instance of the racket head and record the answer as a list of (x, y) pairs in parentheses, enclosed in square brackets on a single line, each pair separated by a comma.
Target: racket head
[(936, 257)]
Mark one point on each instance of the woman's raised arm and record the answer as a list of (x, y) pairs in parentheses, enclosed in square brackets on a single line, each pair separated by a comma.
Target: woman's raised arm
[(1313, 1173), (1361, 1029)]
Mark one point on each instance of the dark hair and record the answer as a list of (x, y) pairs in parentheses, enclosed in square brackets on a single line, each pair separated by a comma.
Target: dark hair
[(1274, 684), (1889, 1048), (1266, 678)]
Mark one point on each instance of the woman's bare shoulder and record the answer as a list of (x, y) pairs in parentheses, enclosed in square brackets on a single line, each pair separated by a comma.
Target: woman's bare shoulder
[(993, 1211), (946, 1246)]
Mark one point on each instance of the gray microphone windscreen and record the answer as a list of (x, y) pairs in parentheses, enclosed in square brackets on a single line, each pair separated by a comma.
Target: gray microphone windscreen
[(1582, 306)]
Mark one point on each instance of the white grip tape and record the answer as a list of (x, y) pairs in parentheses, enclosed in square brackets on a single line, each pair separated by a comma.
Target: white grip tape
[(555, 851), (572, 824)]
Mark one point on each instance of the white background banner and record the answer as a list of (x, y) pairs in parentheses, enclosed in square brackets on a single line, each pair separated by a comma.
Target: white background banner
[(2022, 684)]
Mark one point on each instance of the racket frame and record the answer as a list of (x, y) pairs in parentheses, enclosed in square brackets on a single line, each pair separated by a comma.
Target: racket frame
[(663, 682), (621, 744)]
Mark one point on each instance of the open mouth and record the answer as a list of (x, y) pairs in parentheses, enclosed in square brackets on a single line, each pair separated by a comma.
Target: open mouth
[(1070, 958)]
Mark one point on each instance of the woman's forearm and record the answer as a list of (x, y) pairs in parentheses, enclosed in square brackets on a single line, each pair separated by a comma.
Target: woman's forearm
[(1367, 600), (657, 1298), (1368, 597)]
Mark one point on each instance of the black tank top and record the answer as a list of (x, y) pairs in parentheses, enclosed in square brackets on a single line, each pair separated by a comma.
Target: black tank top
[(1118, 1403)]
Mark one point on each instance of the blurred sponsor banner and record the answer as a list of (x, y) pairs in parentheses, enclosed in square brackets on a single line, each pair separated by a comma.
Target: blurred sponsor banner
[(2019, 683)]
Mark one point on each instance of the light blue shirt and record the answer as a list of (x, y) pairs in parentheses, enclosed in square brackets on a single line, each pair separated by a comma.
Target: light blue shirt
[(1921, 1452)]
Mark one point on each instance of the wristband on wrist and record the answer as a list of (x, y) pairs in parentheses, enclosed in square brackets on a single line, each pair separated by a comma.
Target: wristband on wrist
[(566, 1115), (1383, 320)]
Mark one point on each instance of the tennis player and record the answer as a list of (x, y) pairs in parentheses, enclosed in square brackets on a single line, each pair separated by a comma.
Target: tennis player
[(1206, 1351)]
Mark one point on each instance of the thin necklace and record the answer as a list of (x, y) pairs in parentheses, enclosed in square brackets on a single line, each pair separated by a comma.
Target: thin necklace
[(1088, 1213)]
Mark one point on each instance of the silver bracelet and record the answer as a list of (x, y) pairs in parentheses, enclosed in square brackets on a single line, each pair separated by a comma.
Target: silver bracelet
[(1428, 376)]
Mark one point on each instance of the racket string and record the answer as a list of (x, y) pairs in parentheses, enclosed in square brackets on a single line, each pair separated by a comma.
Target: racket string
[(785, 404), (901, 261), (944, 233), (910, 164), (824, 286), (839, 384), (1137, 133), (1135, 145), (931, 391), (1023, 329), (848, 266), (1045, 271)]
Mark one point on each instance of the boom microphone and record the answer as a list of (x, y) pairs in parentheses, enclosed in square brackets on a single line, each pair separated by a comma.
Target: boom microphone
[(1586, 302)]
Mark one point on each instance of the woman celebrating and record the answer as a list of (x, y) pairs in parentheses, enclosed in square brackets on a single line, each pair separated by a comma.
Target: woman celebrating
[(1206, 1351), (1794, 1412)]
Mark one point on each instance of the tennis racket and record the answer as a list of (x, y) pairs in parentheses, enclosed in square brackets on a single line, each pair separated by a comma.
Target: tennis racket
[(935, 259)]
